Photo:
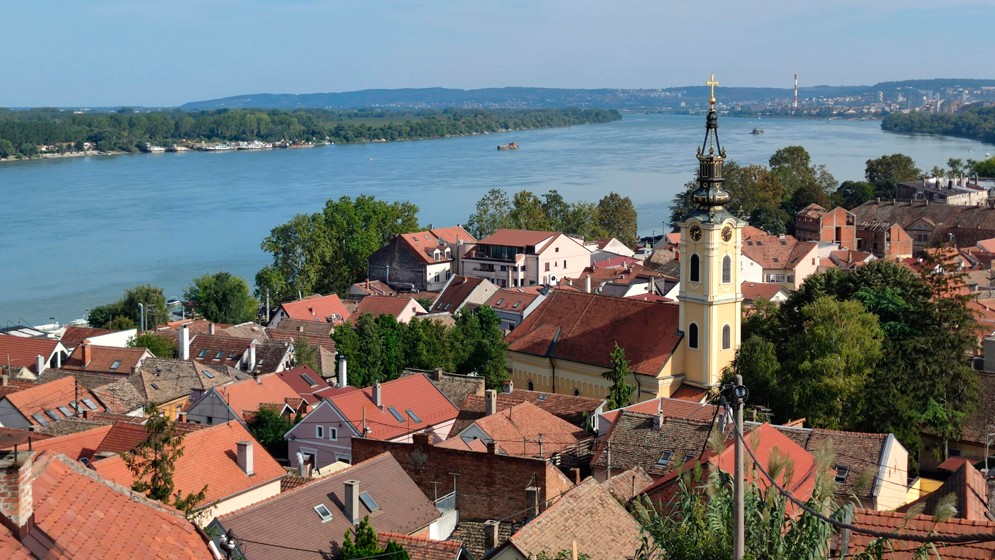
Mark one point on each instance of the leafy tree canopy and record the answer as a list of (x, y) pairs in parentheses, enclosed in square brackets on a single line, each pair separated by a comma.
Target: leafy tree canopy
[(222, 298), (268, 427), (361, 542), (620, 393), (126, 313), (161, 346), (886, 172)]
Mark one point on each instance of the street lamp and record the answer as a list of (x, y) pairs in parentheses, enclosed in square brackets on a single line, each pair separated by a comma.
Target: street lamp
[(141, 317)]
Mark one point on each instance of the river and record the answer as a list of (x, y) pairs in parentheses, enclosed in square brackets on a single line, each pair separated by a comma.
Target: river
[(77, 232)]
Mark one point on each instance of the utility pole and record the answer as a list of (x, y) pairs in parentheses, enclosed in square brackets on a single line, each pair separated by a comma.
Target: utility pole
[(739, 394)]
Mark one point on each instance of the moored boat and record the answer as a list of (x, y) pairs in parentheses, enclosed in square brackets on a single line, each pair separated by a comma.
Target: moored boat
[(509, 146)]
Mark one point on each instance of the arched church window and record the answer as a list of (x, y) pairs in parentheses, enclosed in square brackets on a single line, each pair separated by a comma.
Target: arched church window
[(531, 386), (695, 275), (692, 335), (726, 269), (726, 336)]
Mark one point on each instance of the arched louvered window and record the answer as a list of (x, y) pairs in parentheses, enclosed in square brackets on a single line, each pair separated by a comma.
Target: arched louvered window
[(726, 336), (695, 275), (692, 335), (726, 269)]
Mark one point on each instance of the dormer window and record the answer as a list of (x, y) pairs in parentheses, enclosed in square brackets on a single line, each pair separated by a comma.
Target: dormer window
[(841, 472), (664, 459), (437, 254)]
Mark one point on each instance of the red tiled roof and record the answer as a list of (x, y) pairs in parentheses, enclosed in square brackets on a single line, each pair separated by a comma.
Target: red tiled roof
[(584, 328), (690, 393), (421, 548), (11, 548), (295, 379), (423, 245), (650, 297), (103, 358), (756, 290), (453, 234), (19, 351), (382, 305), (373, 288), (250, 394), (414, 392), (970, 491), (517, 237), (74, 446), (920, 525), (987, 245), (89, 517), (324, 341), (671, 408), (519, 429), (209, 457), (455, 293), (777, 252), (49, 397), (513, 299), (574, 410), (316, 308), (74, 336)]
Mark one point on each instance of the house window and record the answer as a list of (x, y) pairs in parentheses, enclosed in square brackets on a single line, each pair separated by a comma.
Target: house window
[(688, 457), (726, 269), (692, 335), (564, 263), (576, 392), (664, 459), (556, 249), (547, 267), (531, 386), (333, 433), (319, 432), (726, 337), (695, 269), (116, 364)]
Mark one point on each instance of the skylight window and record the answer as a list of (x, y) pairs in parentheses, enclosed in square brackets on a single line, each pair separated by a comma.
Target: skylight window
[(841, 472), (90, 404), (307, 379), (500, 301), (368, 501), (208, 374), (219, 355), (414, 417), (154, 386), (53, 414), (542, 398), (688, 457), (515, 306), (397, 415), (323, 512), (39, 418), (232, 355), (65, 410), (203, 353), (116, 364), (664, 459)]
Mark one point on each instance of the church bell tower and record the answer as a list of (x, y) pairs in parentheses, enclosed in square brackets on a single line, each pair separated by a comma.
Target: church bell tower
[(711, 240)]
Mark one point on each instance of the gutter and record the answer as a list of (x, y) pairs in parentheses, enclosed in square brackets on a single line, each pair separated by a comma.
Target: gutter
[(549, 355)]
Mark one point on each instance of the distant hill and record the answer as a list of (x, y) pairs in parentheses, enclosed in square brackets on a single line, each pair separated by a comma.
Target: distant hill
[(674, 98)]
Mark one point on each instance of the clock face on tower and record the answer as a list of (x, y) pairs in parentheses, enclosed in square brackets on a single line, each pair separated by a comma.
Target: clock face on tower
[(726, 233), (695, 232)]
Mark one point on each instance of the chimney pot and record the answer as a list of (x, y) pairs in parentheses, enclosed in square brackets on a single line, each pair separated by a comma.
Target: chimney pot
[(87, 353), (244, 456), (377, 395), (491, 396), (16, 481), (508, 386), (342, 371), (39, 364), (184, 343), (352, 501), (210, 328), (492, 530)]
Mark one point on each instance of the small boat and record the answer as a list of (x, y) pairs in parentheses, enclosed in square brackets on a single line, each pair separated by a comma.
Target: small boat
[(757, 131), (511, 146)]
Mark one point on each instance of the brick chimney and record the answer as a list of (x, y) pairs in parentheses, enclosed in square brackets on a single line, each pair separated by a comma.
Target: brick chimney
[(492, 532), (87, 353), (352, 501), (210, 328), (184, 343), (377, 395), (16, 501), (421, 438), (437, 374), (491, 397), (244, 457)]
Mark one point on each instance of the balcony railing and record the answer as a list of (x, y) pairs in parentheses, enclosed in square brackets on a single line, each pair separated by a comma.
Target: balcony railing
[(446, 503)]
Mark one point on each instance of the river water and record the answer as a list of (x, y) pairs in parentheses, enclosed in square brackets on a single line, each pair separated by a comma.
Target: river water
[(77, 232)]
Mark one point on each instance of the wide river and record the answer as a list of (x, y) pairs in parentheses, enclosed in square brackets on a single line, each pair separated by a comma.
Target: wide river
[(77, 232)]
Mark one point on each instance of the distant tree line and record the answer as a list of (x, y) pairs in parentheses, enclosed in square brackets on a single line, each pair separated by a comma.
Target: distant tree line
[(129, 130), (975, 123)]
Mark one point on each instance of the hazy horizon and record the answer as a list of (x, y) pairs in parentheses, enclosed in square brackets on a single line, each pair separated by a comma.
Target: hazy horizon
[(107, 53)]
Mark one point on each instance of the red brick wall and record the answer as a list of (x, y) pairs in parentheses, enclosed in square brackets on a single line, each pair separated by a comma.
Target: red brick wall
[(488, 486), (15, 487)]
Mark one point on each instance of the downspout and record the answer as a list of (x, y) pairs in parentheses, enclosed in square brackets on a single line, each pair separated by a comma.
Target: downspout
[(549, 355)]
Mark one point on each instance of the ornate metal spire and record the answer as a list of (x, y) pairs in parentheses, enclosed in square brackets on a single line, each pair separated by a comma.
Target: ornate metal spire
[(709, 195)]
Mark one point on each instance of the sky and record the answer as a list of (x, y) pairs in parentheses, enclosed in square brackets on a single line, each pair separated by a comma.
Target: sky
[(165, 53)]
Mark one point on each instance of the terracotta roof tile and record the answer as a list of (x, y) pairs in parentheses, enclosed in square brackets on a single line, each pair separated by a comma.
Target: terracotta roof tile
[(289, 519), (453, 234), (383, 305), (106, 359), (755, 290), (635, 442), (21, 352), (574, 410), (423, 245), (421, 548), (373, 288), (74, 336), (628, 484), (970, 490), (525, 430), (586, 327), (455, 386), (921, 525), (517, 237), (305, 381), (250, 394), (41, 404), (90, 380), (209, 457), (414, 392), (455, 293), (122, 396), (513, 299), (585, 515), (473, 535), (317, 308), (777, 252)]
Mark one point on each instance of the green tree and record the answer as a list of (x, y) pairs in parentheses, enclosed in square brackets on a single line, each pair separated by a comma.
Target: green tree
[(102, 315), (160, 346), (852, 194), (222, 298), (984, 168), (361, 542), (617, 215), (268, 427), (153, 462), (493, 212), (886, 172), (151, 299), (307, 354), (476, 344), (556, 209), (527, 212), (582, 219), (620, 393)]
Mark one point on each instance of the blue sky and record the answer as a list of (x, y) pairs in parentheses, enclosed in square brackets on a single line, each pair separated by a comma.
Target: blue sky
[(136, 52)]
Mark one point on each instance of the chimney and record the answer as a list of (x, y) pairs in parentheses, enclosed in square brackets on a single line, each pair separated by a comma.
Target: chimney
[(508, 386), (210, 328), (39, 364), (87, 352), (377, 395), (491, 447), (658, 420), (437, 374), (3, 379), (184, 343), (244, 457), (352, 501), (16, 501), (532, 501), (491, 397), (342, 371), (421, 438), (492, 530), (587, 284), (252, 355)]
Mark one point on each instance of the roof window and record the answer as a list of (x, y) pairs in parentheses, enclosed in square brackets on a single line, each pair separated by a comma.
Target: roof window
[(397, 415), (39, 418), (65, 410), (516, 304), (841, 472), (500, 301), (323, 512), (413, 416), (368, 501), (53, 414), (687, 457), (307, 379), (116, 364), (208, 374), (664, 459), (90, 404), (219, 355)]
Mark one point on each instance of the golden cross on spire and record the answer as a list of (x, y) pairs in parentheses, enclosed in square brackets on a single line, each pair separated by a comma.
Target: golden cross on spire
[(711, 82)]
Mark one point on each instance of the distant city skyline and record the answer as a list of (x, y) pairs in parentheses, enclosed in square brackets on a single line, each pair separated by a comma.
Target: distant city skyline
[(120, 52)]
